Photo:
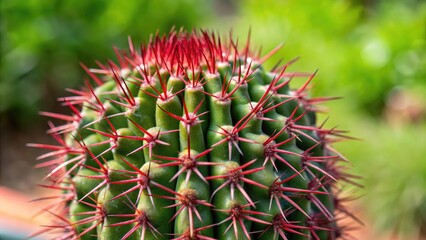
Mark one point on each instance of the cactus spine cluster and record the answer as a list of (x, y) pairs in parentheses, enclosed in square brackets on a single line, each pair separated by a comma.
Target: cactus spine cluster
[(189, 137)]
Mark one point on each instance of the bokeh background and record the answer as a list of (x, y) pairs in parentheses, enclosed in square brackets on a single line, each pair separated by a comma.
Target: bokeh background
[(372, 53)]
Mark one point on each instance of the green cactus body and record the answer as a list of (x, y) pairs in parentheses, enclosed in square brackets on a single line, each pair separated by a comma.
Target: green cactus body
[(192, 139)]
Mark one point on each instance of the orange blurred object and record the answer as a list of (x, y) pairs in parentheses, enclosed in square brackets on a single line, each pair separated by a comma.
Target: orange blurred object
[(17, 219)]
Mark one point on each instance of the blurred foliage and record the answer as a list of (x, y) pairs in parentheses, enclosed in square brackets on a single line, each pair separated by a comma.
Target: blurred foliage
[(362, 51), (365, 51), (43, 42), (391, 160)]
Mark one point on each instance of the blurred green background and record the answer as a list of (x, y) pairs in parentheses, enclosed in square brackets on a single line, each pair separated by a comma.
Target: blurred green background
[(370, 52)]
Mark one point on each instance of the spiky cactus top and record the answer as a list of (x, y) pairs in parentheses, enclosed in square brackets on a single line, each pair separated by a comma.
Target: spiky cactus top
[(190, 137)]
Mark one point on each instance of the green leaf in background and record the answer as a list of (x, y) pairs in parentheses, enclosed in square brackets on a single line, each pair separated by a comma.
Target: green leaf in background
[(361, 51)]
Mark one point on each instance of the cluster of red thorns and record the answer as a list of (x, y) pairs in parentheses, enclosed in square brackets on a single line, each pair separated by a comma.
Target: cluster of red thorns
[(184, 56)]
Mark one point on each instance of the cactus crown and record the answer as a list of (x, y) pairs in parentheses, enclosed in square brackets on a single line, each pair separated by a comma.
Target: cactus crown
[(189, 137)]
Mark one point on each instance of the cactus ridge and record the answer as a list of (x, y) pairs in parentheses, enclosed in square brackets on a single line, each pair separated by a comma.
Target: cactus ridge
[(189, 137)]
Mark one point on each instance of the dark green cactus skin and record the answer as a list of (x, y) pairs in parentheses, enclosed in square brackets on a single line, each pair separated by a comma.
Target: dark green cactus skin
[(190, 138)]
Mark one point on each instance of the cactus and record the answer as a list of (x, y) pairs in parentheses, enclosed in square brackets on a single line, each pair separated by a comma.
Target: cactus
[(190, 137)]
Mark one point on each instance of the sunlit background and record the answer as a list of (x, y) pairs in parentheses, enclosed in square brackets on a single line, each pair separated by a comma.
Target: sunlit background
[(372, 53)]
